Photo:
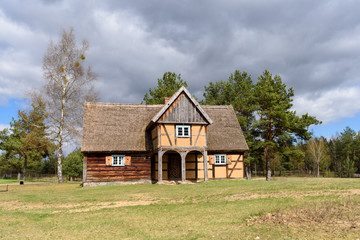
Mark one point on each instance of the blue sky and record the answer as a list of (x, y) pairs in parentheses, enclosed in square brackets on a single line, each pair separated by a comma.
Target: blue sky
[(333, 128), (313, 45)]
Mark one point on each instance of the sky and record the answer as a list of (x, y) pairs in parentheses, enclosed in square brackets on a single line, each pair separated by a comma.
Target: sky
[(313, 45)]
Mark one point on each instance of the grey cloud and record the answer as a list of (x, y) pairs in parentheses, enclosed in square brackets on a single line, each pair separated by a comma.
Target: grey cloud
[(313, 45)]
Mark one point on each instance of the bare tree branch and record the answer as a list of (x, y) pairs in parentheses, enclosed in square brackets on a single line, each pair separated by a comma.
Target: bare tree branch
[(67, 86)]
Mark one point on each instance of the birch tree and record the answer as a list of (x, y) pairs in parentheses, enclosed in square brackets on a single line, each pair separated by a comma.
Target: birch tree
[(68, 83), (318, 152)]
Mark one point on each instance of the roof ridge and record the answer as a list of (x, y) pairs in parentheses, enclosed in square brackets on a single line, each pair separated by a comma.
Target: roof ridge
[(123, 104), (217, 106)]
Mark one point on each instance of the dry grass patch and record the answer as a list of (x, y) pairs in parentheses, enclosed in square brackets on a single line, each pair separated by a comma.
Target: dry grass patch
[(292, 194), (72, 207), (326, 216)]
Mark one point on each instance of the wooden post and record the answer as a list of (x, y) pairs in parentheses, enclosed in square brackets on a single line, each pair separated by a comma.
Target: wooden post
[(84, 169), (160, 168), (183, 166), (205, 166)]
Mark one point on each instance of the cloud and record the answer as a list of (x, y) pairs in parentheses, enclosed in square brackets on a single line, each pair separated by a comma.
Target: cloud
[(313, 46), (19, 68), (330, 106), (2, 126)]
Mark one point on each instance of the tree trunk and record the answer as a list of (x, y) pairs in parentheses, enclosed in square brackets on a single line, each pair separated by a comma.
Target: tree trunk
[(318, 171), (255, 172), (24, 167), (247, 172), (60, 140), (268, 168), (18, 176), (59, 158), (59, 161)]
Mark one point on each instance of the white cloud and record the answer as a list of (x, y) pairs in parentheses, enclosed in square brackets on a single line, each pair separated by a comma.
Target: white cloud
[(20, 65), (330, 106), (2, 126)]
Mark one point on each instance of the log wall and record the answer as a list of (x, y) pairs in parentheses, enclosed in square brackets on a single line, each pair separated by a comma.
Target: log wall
[(140, 168)]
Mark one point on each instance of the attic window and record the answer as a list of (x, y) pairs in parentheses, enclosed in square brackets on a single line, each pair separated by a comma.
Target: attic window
[(118, 160), (182, 131), (220, 159)]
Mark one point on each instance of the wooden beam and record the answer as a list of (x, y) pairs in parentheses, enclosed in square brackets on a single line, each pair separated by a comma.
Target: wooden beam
[(237, 160), (190, 135), (183, 166), (198, 135), (205, 166), (213, 171), (175, 134), (84, 169), (196, 166), (160, 155), (159, 135), (167, 134), (227, 171)]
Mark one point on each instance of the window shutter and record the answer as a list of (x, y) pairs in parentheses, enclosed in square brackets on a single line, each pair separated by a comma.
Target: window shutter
[(127, 160), (228, 159), (211, 159), (108, 160)]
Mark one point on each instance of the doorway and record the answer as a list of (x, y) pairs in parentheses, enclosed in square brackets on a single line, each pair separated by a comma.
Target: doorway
[(174, 166)]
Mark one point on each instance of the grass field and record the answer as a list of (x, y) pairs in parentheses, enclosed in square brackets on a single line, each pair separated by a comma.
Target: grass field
[(285, 208), (5, 181)]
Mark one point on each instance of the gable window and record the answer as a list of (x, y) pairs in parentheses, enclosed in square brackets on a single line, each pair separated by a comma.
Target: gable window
[(182, 131), (220, 159), (118, 160)]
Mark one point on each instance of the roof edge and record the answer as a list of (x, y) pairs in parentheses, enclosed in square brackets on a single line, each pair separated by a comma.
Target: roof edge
[(174, 97)]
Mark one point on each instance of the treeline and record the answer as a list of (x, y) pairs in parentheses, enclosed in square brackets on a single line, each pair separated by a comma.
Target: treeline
[(278, 139)]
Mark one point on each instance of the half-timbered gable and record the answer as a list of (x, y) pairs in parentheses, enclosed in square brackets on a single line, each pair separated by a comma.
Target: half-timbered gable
[(180, 123), (178, 140)]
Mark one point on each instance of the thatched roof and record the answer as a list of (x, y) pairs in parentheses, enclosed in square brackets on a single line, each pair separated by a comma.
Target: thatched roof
[(112, 127), (225, 133)]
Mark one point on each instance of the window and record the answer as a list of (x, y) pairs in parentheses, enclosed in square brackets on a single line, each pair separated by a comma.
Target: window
[(118, 160), (220, 159), (182, 131)]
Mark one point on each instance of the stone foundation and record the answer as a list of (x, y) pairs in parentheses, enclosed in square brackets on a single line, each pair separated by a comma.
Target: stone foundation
[(94, 184)]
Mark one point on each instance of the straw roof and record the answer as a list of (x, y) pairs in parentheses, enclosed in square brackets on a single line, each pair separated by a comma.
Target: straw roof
[(225, 133), (110, 127)]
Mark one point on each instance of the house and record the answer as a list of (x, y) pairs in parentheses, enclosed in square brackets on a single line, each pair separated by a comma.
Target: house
[(179, 140)]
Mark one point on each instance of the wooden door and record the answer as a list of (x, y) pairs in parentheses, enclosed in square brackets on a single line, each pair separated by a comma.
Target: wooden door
[(174, 166)]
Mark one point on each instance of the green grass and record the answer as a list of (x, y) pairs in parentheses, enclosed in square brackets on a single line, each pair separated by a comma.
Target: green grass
[(285, 208), (5, 181)]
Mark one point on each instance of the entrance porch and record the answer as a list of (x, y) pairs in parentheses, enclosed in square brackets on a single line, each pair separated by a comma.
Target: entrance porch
[(180, 164)]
